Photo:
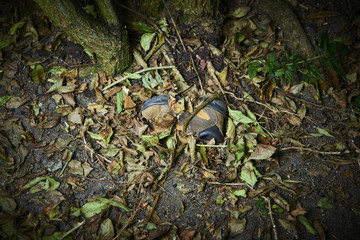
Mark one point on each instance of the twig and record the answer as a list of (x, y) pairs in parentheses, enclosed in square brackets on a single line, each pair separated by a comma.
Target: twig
[(71, 230), (138, 72), (271, 218), (130, 219), (153, 208), (227, 184), (182, 44), (197, 110), (315, 151), (214, 146)]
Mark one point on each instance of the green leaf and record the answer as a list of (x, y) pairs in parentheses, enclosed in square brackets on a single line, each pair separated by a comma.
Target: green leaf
[(262, 207), (133, 75), (95, 207), (325, 203), (150, 140), (151, 226), (337, 67), (239, 116), (57, 70), (4, 99), (220, 200), (5, 43), (146, 39), (119, 101), (96, 136), (248, 173), (324, 132), (240, 193), (37, 73), (240, 12), (307, 224), (55, 86), (15, 27), (42, 183)]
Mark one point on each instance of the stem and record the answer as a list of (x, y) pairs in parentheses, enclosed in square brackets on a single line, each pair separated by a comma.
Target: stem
[(197, 110), (107, 12), (138, 72)]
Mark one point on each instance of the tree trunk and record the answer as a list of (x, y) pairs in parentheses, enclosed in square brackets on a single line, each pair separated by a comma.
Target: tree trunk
[(107, 40)]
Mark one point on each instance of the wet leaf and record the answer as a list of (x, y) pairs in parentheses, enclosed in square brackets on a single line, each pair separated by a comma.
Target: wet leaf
[(37, 74), (262, 152), (248, 173), (146, 39), (325, 203), (307, 224)]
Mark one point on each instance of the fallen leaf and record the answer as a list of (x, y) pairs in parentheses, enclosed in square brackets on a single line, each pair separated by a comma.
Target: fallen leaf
[(307, 224), (262, 152), (237, 226), (128, 102), (76, 116)]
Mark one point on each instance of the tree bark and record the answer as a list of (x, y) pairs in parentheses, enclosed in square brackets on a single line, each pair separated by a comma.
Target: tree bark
[(281, 12), (108, 41)]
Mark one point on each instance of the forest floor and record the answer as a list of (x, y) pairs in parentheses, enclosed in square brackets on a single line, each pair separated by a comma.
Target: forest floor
[(80, 162)]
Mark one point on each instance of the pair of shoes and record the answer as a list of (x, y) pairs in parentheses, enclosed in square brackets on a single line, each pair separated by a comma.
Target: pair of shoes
[(207, 124)]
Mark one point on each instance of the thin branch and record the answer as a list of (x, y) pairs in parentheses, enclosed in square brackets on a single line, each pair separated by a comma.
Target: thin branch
[(314, 151), (271, 218), (197, 110), (130, 219)]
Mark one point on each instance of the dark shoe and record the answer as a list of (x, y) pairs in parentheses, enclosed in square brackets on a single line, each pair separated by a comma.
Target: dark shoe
[(206, 125)]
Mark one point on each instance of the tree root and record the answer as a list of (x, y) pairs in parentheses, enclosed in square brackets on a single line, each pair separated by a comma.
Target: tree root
[(281, 12)]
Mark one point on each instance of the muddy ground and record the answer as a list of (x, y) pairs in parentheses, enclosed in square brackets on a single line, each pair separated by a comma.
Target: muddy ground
[(311, 174)]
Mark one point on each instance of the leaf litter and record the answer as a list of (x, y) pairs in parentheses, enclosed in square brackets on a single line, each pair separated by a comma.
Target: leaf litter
[(103, 143)]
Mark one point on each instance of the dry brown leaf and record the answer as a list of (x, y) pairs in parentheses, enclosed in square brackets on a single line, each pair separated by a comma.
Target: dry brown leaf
[(76, 116), (16, 102), (262, 152), (299, 211), (69, 99), (128, 102)]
